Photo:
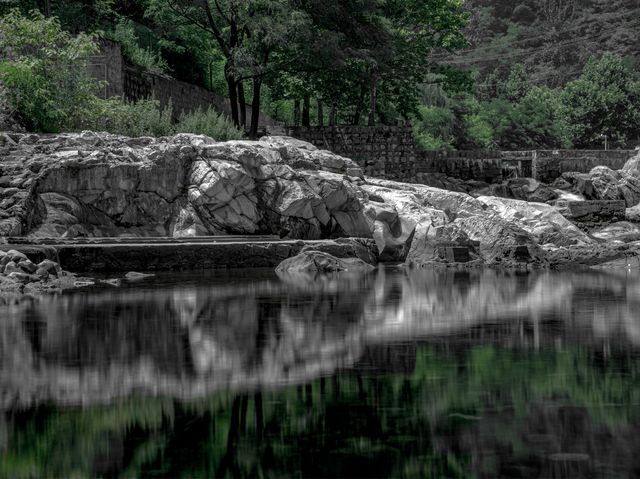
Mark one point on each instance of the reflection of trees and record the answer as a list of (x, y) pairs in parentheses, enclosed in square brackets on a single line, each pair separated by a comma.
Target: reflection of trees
[(496, 412)]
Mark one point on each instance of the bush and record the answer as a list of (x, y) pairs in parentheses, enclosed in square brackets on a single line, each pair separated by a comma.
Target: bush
[(432, 127), (141, 118), (210, 123), (124, 33), (45, 71)]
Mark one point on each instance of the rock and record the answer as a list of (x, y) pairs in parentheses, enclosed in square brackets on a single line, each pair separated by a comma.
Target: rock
[(27, 266), (622, 231), (526, 189), (51, 267), (11, 267), (23, 277), (317, 262), (603, 183), (97, 184), (135, 276), (543, 222), (632, 214), (42, 273), (16, 256), (347, 248)]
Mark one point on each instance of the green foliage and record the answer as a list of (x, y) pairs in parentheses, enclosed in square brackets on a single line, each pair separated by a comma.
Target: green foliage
[(210, 123), (142, 118), (433, 128), (517, 85), (605, 100), (124, 33), (45, 71)]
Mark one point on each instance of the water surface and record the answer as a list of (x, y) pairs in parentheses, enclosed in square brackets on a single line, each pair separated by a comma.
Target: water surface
[(476, 373)]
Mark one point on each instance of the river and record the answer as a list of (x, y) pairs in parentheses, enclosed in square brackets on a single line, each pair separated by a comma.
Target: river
[(477, 373)]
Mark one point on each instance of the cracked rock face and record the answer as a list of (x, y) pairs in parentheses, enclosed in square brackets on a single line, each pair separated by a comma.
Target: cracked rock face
[(96, 184)]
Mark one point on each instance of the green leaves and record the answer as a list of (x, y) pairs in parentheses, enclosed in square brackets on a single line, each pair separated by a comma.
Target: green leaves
[(45, 71), (605, 100)]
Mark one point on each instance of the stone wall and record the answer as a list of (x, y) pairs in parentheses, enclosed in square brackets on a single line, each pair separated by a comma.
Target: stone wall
[(134, 83), (550, 164), (390, 152), (381, 151), (482, 165), (106, 66)]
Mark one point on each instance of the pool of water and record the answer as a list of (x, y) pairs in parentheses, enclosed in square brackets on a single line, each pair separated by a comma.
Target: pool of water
[(479, 373)]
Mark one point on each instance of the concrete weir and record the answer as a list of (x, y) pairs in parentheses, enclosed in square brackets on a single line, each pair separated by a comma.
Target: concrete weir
[(105, 255)]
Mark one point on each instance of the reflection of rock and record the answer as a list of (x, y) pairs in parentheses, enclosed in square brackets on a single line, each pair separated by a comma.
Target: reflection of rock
[(188, 341)]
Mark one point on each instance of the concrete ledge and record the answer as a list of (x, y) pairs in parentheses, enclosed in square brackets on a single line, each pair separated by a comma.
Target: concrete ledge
[(137, 256)]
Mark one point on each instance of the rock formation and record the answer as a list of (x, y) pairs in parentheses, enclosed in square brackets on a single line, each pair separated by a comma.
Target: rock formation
[(603, 183), (96, 184)]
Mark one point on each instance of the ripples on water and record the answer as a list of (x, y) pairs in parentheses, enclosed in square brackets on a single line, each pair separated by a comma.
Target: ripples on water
[(394, 374)]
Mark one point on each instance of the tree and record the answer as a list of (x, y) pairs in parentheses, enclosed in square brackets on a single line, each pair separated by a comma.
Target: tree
[(605, 100), (248, 33), (45, 71)]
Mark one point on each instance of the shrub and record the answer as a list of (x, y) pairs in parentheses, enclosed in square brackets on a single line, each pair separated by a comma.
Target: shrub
[(124, 33), (432, 128), (141, 118), (45, 71), (208, 122)]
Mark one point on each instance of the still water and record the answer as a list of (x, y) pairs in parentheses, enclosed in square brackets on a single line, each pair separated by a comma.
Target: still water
[(478, 373)]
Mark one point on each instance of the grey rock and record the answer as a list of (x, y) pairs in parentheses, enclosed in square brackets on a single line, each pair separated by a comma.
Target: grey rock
[(27, 266), (51, 267), (11, 267), (23, 277), (135, 276), (318, 262)]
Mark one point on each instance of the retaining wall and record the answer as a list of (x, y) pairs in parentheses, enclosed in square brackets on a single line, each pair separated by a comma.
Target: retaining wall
[(390, 152), (134, 83)]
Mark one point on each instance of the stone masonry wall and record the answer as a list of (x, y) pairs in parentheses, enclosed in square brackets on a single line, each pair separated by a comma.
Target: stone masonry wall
[(134, 83), (550, 164), (106, 66), (381, 151), (390, 152)]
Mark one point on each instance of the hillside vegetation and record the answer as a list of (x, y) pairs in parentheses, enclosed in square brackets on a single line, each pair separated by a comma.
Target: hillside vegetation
[(554, 39)]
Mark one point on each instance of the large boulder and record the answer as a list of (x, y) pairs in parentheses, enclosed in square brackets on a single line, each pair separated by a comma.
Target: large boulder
[(603, 183), (526, 189), (543, 222), (318, 262)]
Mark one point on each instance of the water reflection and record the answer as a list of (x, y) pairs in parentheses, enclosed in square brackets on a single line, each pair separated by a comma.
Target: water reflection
[(392, 374)]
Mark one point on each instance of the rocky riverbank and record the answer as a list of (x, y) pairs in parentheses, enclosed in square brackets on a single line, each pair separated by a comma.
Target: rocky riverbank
[(96, 184)]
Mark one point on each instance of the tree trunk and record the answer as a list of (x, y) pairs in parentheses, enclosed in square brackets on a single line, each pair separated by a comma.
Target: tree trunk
[(320, 113), (373, 100), (296, 112), (242, 105), (233, 94), (333, 115), (306, 107), (255, 108)]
